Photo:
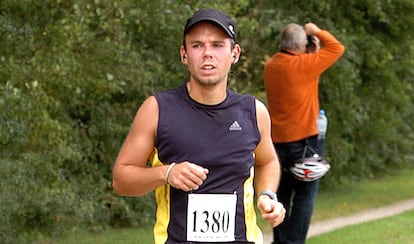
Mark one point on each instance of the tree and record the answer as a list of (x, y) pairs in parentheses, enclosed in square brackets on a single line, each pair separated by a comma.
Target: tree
[(73, 74)]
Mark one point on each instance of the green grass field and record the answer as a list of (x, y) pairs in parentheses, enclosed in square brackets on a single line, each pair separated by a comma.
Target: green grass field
[(396, 229), (371, 193), (353, 198)]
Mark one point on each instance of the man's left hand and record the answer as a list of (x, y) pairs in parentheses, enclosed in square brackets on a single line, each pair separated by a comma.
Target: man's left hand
[(272, 211)]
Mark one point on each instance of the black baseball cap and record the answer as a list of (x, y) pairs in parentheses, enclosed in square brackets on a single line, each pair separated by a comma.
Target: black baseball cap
[(213, 15)]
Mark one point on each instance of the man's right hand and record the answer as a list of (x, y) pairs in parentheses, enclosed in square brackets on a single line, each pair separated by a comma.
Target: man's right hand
[(187, 176), (311, 29)]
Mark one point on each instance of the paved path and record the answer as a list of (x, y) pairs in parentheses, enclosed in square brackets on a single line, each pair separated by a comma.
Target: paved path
[(358, 218)]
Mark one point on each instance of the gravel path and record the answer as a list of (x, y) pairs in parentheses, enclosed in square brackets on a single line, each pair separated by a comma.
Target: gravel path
[(365, 216)]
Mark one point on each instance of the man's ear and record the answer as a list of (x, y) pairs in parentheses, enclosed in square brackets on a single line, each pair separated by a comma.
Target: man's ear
[(235, 59), (236, 54), (183, 55)]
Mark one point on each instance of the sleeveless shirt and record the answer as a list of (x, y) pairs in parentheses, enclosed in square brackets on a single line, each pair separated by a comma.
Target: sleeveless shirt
[(219, 137)]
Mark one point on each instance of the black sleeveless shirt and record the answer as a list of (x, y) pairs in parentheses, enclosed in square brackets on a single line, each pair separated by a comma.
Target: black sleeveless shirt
[(220, 137)]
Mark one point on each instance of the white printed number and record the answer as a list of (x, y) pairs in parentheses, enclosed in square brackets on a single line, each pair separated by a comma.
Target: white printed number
[(211, 217)]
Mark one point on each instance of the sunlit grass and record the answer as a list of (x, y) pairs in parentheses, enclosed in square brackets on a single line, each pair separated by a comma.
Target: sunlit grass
[(363, 195), (396, 229)]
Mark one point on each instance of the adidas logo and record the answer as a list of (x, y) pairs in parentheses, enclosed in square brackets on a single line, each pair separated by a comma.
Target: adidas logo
[(235, 126)]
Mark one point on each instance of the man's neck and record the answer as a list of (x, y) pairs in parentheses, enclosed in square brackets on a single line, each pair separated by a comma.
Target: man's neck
[(208, 95)]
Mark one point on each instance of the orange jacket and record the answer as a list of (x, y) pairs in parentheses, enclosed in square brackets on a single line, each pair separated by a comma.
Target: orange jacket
[(291, 83)]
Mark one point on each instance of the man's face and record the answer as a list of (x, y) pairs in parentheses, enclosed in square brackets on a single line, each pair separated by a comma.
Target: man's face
[(209, 53)]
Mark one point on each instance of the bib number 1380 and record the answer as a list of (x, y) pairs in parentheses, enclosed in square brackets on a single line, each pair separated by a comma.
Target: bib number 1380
[(211, 217), (215, 222)]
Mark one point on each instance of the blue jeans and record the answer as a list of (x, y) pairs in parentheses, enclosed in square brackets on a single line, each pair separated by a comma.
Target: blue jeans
[(297, 196)]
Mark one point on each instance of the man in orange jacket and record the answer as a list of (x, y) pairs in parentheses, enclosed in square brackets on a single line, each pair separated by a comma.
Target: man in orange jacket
[(291, 82)]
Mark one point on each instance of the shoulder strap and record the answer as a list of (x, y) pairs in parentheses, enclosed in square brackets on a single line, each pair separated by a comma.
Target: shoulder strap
[(308, 147)]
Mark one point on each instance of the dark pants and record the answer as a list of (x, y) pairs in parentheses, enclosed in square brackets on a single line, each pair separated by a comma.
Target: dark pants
[(321, 146), (296, 196)]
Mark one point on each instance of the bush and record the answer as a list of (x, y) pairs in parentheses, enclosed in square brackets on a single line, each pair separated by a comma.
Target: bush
[(74, 73)]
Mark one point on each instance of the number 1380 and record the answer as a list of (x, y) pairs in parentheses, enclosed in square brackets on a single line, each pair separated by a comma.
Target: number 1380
[(211, 222)]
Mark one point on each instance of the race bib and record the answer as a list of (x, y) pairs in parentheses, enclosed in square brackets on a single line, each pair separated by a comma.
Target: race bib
[(211, 217)]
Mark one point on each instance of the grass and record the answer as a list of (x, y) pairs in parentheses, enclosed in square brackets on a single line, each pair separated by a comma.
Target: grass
[(396, 229), (114, 236), (364, 195), (352, 198)]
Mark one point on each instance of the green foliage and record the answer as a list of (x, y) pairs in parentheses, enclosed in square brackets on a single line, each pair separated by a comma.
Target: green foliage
[(73, 74), (368, 93)]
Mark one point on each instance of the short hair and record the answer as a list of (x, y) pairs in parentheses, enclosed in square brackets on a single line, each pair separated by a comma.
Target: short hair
[(292, 37)]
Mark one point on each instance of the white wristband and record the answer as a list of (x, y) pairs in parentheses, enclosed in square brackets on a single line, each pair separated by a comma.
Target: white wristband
[(167, 175)]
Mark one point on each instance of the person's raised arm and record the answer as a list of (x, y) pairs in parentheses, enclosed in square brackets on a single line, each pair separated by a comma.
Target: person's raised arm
[(331, 50)]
